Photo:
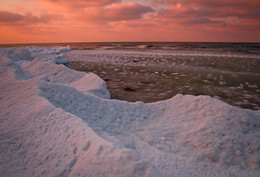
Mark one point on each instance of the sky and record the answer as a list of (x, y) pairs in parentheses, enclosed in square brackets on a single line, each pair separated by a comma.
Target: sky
[(47, 21)]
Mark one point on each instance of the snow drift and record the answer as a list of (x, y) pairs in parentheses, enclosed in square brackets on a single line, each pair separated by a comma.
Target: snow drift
[(59, 122)]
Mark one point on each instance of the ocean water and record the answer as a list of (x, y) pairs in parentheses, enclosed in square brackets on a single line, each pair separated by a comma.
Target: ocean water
[(154, 71)]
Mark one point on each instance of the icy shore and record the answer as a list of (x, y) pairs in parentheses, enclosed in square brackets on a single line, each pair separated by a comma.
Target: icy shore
[(59, 122)]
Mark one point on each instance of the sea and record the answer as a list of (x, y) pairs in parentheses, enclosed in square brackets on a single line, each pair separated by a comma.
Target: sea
[(156, 71)]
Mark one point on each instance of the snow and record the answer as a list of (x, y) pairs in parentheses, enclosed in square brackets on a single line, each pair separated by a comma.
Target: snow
[(59, 122)]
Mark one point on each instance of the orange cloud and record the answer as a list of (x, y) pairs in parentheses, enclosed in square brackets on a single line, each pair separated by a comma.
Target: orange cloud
[(116, 12), (126, 20), (83, 3), (11, 18), (72, 5), (224, 13)]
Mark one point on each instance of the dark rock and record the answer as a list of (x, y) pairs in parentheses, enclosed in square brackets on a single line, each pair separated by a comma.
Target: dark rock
[(129, 89)]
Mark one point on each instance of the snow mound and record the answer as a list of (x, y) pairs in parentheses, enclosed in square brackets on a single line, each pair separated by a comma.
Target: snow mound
[(91, 84), (59, 122), (16, 53)]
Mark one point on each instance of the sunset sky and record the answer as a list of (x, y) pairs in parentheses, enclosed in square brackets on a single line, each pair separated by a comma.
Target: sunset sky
[(39, 21)]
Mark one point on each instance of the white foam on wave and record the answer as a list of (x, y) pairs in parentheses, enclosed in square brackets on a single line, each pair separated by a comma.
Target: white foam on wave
[(59, 122)]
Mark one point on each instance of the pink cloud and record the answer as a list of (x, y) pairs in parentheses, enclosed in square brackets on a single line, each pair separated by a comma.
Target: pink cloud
[(219, 7), (105, 20), (210, 12), (78, 4), (117, 12), (84, 2), (10, 18), (6, 16)]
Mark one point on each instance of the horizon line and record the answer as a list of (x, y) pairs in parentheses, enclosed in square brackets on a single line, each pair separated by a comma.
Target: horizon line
[(27, 43)]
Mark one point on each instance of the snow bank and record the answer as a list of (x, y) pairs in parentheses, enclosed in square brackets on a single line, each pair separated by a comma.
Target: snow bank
[(59, 122), (16, 54)]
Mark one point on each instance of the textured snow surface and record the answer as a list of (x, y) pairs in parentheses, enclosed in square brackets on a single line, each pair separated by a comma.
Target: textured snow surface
[(55, 121)]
